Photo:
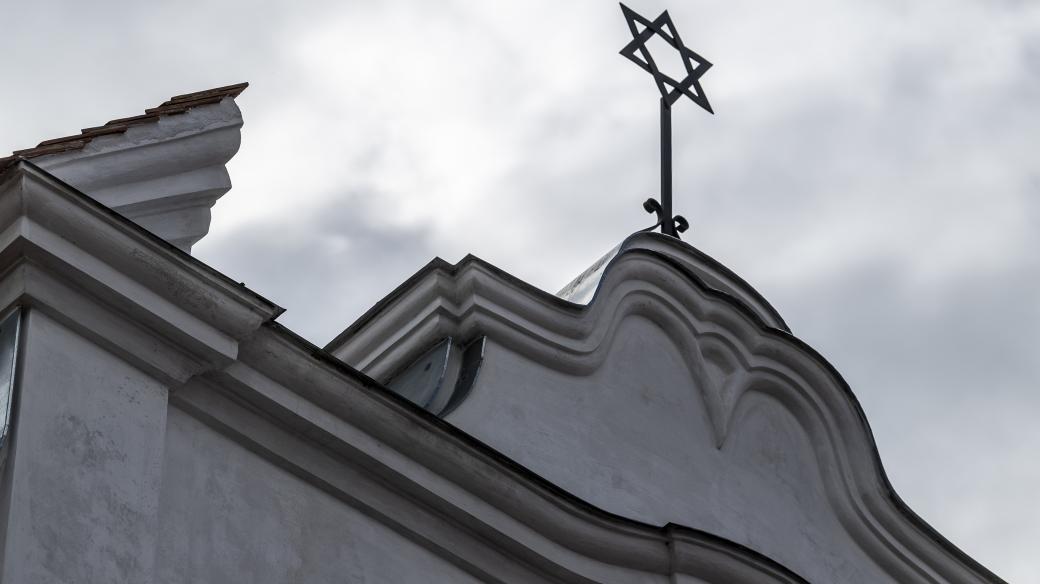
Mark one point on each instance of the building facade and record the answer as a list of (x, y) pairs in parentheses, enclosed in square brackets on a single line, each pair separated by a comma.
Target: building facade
[(656, 421)]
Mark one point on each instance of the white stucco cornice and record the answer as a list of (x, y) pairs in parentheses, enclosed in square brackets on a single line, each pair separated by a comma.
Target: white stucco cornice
[(116, 282), (119, 286), (164, 169), (435, 301), (417, 458), (712, 273)]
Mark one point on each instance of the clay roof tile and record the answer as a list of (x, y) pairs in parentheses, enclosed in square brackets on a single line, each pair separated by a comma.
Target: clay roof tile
[(175, 105)]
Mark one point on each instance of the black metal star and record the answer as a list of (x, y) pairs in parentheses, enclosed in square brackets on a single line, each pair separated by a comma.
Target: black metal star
[(696, 65)]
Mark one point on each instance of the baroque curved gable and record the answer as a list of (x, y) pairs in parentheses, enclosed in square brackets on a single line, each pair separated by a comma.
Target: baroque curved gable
[(676, 395)]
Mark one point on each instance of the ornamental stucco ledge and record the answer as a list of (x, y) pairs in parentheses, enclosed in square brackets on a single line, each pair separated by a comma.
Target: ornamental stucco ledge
[(62, 256), (164, 169), (583, 288)]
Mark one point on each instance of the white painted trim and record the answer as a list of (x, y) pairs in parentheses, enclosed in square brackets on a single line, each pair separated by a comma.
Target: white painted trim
[(116, 283), (165, 174)]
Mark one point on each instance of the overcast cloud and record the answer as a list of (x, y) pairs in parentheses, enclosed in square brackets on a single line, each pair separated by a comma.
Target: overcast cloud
[(872, 169)]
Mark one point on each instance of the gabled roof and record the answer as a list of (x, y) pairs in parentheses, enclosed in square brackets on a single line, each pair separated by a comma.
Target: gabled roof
[(177, 104)]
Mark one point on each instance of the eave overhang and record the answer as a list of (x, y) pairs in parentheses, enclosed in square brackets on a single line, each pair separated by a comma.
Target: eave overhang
[(60, 248)]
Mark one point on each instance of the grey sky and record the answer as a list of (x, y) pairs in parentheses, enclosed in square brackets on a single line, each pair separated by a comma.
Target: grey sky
[(872, 169)]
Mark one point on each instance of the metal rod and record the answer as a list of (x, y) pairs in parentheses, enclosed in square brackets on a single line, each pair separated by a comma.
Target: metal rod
[(667, 221), (671, 91)]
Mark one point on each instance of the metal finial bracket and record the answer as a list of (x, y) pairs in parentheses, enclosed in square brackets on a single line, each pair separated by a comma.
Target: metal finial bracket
[(671, 90)]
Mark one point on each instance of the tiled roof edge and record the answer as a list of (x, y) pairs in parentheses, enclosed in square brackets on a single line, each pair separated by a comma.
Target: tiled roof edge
[(177, 104)]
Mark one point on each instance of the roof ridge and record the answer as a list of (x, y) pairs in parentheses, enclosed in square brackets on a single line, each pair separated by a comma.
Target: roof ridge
[(177, 104), (227, 90)]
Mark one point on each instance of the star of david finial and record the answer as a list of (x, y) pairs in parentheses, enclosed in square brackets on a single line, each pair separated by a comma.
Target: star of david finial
[(671, 90), (637, 52)]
